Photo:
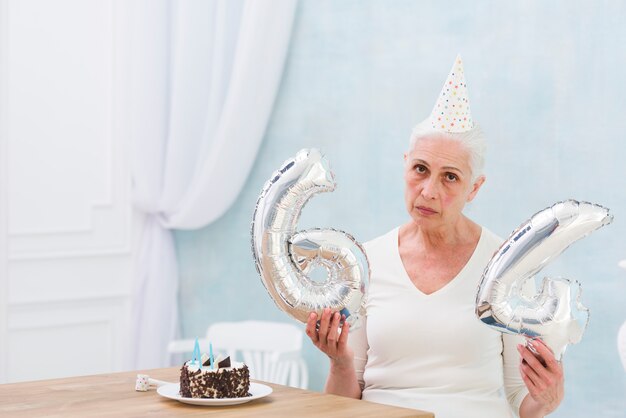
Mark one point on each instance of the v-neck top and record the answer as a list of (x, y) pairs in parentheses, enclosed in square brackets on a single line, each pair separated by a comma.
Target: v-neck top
[(452, 283), (429, 351)]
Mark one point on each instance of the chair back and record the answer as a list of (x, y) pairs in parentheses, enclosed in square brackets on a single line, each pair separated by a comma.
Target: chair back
[(270, 349)]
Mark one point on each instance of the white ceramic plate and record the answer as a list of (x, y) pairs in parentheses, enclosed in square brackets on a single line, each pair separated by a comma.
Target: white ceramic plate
[(257, 390)]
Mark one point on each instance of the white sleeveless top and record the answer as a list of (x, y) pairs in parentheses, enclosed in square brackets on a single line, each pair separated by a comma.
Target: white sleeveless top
[(430, 352)]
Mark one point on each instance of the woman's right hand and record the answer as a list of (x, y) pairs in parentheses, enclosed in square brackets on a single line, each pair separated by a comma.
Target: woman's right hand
[(329, 339), (342, 378)]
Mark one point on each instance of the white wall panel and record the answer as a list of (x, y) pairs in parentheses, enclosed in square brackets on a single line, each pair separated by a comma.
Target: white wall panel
[(68, 278), (108, 233), (52, 352), (67, 187), (63, 339), (66, 230), (60, 113)]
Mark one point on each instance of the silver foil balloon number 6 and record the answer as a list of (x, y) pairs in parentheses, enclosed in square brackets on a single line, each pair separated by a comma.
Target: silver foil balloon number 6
[(555, 314), (285, 258)]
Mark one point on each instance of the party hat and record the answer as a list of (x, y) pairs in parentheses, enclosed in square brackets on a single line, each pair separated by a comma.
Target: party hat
[(452, 110)]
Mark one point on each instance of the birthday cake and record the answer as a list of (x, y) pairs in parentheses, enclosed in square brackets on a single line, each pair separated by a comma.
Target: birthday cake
[(214, 378)]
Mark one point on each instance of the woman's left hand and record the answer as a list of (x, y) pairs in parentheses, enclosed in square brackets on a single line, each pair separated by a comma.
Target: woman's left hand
[(544, 380)]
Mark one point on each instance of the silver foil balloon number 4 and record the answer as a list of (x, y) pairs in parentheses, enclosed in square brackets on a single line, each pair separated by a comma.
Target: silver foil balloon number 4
[(555, 314), (285, 258)]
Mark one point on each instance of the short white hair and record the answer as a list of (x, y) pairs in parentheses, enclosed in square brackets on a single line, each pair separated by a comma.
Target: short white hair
[(473, 140)]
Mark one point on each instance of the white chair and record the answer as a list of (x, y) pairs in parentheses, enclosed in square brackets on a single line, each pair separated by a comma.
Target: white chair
[(270, 349)]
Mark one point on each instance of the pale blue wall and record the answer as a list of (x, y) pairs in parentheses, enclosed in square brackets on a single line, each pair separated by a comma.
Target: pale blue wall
[(547, 84)]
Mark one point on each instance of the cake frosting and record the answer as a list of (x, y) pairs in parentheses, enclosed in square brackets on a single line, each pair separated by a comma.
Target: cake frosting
[(225, 380)]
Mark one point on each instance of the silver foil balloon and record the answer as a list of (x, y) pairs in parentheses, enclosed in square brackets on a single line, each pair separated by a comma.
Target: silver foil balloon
[(555, 313), (285, 258)]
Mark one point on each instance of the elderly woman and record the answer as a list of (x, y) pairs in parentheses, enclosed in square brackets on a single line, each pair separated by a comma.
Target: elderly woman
[(420, 344)]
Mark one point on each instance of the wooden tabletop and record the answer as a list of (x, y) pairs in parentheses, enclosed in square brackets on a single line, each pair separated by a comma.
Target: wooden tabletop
[(114, 395)]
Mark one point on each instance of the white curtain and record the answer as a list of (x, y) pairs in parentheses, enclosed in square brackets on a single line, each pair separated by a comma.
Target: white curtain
[(203, 82)]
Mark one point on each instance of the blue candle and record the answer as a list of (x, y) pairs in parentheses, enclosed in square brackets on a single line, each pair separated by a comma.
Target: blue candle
[(211, 356), (196, 354)]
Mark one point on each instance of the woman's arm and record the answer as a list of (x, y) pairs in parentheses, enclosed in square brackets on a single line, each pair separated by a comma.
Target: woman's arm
[(342, 379)]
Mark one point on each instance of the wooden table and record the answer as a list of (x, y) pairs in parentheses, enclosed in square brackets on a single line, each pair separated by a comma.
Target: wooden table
[(114, 395)]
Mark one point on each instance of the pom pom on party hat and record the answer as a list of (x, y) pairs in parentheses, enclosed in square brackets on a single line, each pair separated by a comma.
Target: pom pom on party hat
[(452, 110)]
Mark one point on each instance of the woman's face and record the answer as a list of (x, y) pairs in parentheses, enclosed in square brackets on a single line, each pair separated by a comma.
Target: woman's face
[(438, 181)]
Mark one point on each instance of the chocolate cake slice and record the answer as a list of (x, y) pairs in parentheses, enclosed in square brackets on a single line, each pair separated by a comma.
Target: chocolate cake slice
[(220, 382)]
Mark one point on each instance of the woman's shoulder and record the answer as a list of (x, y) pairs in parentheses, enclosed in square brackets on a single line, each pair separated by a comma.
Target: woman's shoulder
[(490, 239), (382, 241), (491, 236)]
